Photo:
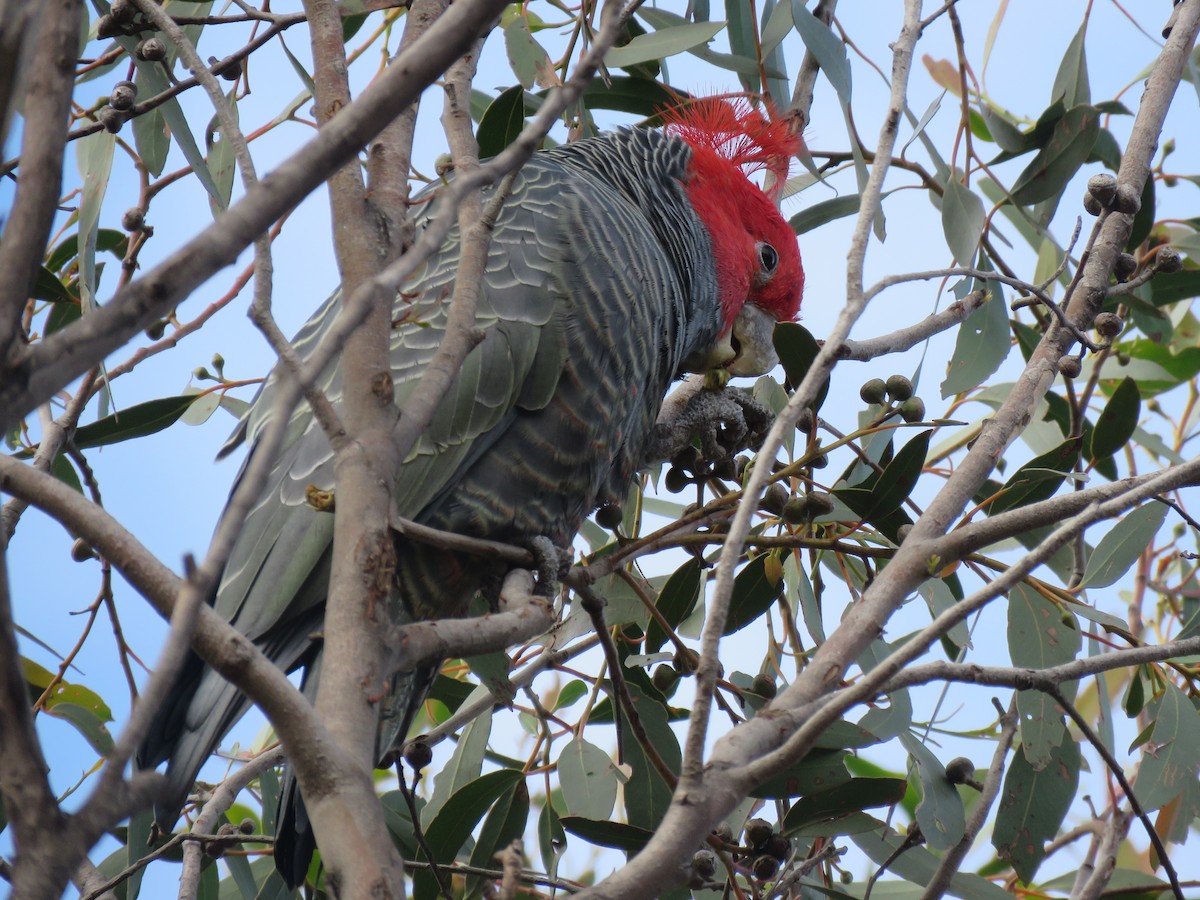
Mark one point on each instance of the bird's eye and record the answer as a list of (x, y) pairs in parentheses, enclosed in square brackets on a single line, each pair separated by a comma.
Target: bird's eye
[(768, 257)]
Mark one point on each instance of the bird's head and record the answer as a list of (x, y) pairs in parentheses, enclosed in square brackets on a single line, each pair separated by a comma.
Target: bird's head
[(760, 278)]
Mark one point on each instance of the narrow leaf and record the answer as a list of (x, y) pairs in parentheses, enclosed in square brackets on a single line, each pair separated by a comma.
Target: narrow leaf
[(754, 591), (1040, 635), (962, 220), (1117, 422), (502, 121), (1057, 162), (136, 421), (1171, 756), (676, 601), (940, 812), (661, 44), (840, 802), (1033, 805), (826, 47), (1120, 548)]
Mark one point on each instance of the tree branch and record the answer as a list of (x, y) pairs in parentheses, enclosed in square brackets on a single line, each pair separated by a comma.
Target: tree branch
[(49, 81), (32, 379)]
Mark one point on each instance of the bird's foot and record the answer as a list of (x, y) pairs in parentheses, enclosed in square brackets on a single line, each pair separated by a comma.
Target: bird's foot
[(550, 562), (723, 422)]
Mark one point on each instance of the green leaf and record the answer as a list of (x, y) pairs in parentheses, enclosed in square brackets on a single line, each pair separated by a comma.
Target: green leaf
[(65, 472), (842, 801), (588, 778), (1038, 479), (754, 591), (617, 835), (108, 240), (62, 315), (1117, 422), (1058, 161), (150, 135), (1120, 548), (552, 840), (173, 115), (1171, 757), (528, 58), (1071, 81), (466, 762), (884, 492), (1168, 289), (962, 220), (647, 795), (797, 350), (623, 93), (661, 44), (94, 153), (1008, 136), (1041, 634), (676, 601), (221, 162), (502, 121), (452, 825), (137, 421), (47, 287), (743, 64), (828, 211), (940, 812), (75, 704), (917, 865), (1033, 805), (778, 26), (827, 48), (819, 770), (504, 824)]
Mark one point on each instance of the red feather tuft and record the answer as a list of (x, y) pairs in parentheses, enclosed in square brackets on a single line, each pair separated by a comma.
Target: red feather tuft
[(738, 133)]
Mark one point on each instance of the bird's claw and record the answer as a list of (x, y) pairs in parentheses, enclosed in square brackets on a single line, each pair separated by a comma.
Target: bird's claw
[(724, 422)]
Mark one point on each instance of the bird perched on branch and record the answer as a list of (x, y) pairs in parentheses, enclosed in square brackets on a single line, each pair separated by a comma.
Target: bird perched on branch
[(616, 264)]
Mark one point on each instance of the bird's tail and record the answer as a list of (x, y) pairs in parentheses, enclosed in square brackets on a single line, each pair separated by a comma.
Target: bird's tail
[(295, 841)]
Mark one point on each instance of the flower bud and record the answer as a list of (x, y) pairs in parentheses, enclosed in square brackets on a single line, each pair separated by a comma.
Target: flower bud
[(1125, 266), (899, 388), (418, 754), (758, 832), (609, 516), (1108, 324), (123, 96), (1168, 260), (152, 49), (873, 391), (960, 770), (1069, 366), (133, 219), (1103, 188), (912, 409), (1128, 200), (110, 118)]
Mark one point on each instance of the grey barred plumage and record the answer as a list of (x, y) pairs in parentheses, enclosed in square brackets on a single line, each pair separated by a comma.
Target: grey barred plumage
[(599, 285)]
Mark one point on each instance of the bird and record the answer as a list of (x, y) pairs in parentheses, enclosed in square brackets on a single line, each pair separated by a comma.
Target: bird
[(617, 263)]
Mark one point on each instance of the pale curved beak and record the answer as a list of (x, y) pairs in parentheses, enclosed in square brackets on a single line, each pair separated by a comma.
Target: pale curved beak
[(745, 349)]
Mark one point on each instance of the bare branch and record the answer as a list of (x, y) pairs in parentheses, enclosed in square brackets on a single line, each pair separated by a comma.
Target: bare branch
[(47, 107), (905, 338)]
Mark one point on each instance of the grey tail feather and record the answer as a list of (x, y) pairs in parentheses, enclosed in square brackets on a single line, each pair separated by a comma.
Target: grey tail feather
[(295, 841)]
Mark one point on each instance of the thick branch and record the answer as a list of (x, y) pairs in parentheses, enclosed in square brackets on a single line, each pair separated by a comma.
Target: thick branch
[(48, 84)]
